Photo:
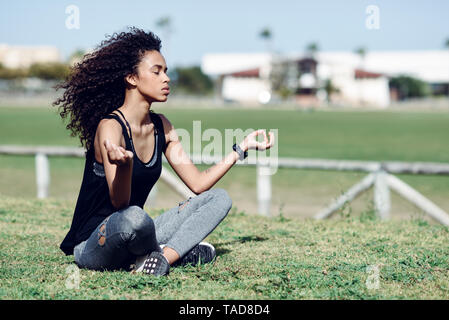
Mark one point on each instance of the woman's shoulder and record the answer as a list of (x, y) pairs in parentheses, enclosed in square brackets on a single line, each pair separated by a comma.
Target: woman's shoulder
[(169, 130), (109, 124), (160, 115), (110, 128), (166, 123)]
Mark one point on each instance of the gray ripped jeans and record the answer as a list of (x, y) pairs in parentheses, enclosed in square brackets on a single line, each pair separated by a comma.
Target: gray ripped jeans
[(131, 232)]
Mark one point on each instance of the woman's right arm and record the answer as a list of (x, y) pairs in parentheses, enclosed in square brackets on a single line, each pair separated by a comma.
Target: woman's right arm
[(117, 163)]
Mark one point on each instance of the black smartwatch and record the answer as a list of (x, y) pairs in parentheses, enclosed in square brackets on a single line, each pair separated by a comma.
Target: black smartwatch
[(241, 153)]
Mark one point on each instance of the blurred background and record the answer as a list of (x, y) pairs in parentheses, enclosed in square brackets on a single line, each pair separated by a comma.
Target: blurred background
[(352, 80)]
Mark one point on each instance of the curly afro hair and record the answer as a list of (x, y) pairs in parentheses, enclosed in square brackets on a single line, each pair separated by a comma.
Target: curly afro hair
[(96, 85)]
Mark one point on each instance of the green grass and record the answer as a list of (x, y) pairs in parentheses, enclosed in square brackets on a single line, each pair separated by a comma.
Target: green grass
[(258, 258)]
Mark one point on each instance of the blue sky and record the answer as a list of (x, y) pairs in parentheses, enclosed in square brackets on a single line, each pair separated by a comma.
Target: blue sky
[(208, 26)]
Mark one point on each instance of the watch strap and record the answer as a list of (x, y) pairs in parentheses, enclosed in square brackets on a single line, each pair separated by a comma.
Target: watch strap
[(242, 154)]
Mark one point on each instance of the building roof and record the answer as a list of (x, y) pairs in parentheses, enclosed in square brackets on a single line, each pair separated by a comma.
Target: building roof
[(226, 63), (247, 73), (428, 65), (363, 74)]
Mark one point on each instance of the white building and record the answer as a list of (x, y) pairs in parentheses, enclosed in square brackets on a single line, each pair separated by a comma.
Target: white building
[(242, 77), (24, 56), (360, 81)]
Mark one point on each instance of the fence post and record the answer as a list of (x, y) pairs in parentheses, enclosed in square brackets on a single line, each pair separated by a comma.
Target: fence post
[(42, 175), (418, 199), (348, 196), (263, 188), (382, 202)]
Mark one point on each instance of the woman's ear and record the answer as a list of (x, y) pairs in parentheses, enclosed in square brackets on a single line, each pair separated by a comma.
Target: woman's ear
[(130, 80)]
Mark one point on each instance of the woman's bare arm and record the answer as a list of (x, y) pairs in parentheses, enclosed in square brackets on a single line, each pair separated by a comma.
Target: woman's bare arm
[(200, 181), (117, 162)]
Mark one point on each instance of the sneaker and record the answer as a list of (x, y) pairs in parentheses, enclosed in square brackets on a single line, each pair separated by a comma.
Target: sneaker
[(203, 252), (153, 264)]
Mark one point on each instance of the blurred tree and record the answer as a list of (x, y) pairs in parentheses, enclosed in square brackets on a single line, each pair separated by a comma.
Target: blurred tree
[(446, 43), (311, 49), (9, 73), (266, 35), (409, 87), (191, 80), (284, 78), (330, 89), (166, 25), (49, 71), (76, 56), (361, 52), (285, 93)]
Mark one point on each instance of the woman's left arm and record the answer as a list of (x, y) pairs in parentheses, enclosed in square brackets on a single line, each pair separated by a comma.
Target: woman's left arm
[(200, 181)]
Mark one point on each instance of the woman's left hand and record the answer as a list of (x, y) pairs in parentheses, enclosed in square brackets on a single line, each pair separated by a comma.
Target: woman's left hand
[(250, 142)]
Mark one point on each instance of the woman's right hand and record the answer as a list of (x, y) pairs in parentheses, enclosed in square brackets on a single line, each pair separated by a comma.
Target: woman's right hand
[(117, 154)]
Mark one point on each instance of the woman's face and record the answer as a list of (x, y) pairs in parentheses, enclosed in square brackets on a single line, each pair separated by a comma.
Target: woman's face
[(152, 80)]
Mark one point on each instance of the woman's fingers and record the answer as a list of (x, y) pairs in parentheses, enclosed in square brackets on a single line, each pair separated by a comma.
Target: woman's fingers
[(271, 133), (256, 144), (121, 150), (129, 154), (266, 144), (117, 154), (265, 137), (126, 153)]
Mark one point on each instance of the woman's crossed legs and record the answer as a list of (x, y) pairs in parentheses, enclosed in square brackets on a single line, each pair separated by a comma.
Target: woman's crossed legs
[(130, 232)]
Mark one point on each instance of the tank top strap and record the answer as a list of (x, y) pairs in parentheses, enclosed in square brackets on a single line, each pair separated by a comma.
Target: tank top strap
[(160, 129), (124, 130)]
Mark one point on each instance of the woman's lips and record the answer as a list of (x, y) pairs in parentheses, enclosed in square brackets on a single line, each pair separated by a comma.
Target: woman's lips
[(166, 90)]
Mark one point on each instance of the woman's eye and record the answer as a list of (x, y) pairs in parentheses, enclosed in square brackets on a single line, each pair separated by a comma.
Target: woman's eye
[(156, 72)]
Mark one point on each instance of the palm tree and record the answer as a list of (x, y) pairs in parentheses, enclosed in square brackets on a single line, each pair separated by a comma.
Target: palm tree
[(267, 36), (361, 52), (312, 48), (165, 24), (330, 89)]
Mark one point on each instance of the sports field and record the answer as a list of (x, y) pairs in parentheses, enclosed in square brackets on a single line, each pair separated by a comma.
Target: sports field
[(372, 135)]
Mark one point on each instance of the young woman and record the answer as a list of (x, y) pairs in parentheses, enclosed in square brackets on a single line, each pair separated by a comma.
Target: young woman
[(108, 98)]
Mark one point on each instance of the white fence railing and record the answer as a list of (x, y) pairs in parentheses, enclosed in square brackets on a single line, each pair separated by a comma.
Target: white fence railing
[(380, 177)]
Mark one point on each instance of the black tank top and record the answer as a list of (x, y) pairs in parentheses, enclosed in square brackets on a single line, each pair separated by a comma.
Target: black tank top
[(94, 204)]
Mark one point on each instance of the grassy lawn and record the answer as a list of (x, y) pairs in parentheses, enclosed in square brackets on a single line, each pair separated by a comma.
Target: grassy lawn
[(258, 258)]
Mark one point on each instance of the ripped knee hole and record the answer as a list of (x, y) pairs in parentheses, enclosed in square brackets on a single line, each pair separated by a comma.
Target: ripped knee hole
[(182, 205), (102, 235)]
